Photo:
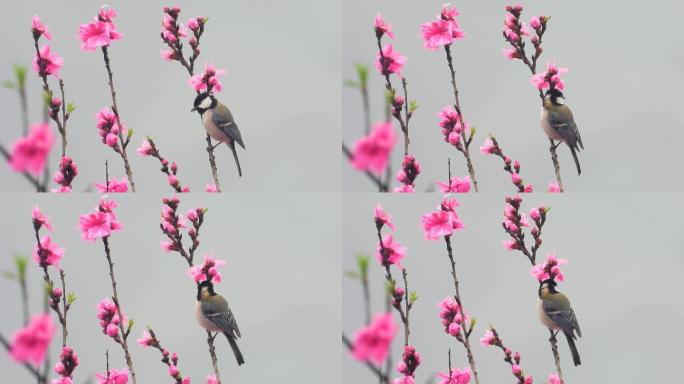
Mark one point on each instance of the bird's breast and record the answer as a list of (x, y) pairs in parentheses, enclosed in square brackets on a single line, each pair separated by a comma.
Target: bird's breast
[(546, 125), (213, 130), (544, 318), (203, 321)]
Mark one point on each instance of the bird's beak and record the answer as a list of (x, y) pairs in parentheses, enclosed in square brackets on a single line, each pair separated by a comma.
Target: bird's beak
[(193, 109)]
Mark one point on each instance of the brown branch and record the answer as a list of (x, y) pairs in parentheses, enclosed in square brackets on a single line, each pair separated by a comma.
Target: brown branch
[(115, 109), (466, 330), (115, 298), (212, 352), (388, 85), (457, 106), (165, 356), (556, 356)]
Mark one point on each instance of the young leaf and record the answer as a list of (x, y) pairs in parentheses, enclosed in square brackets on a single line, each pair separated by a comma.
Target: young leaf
[(71, 297), (362, 71), (21, 263), (70, 107), (413, 297)]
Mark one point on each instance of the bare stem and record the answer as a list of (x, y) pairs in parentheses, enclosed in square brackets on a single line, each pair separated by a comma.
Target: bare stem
[(457, 105), (115, 109), (124, 332), (556, 356), (212, 352), (457, 297)]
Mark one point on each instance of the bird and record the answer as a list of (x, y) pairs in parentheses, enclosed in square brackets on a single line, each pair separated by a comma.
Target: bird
[(219, 123), (214, 315), (555, 312), (558, 123)]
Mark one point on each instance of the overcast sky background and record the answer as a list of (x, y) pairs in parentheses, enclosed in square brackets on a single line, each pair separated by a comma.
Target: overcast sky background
[(282, 84), (624, 87), (281, 279), (624, 259)]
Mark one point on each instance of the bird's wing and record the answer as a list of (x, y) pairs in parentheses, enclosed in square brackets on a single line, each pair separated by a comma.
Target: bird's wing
[(216, 309), (224, 120), (562, 121), (562, 314)]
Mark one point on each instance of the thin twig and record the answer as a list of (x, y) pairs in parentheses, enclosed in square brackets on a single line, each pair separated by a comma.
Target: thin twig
[(556, 356), (212, 352)]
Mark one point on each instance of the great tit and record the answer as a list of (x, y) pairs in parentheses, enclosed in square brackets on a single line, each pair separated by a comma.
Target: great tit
[(214, 315), (555, 313), (219, 123), (558, 123)]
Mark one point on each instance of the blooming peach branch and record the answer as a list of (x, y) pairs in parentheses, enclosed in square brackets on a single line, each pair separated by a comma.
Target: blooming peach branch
[(149, 148), (513, 33), (40, 377), (492, 147), (171, 34), (149, 339), (492, 338), (376, 179), (384, 379)]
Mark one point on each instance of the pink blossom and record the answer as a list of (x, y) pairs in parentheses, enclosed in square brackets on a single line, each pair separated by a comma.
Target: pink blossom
[(372, 343), (207, 271), (211, 188), (39, 29), (382, 218), (390, 252), (554, 379), (488, 147), (145, 149), (30, 153), (30, 344), (211, 379), (40, 219), (101, 223), (510, 245), (372, 152), (115, 376), (194, 23), (389, 61), (46, 63), (208, 80), (146, 339), (114, 185), (109, 128), (437, 33), (47, 253), (68, 361), (488, 338), (457, 185), (382, 27), (450, 313), (510, 53), (68, 170), (168, 55), (437, 224), (456, 376), (515, 368), (406, 188), (99, 33), (554, 188), (109, 318), (550, 269), (535, 22), (551, 78)]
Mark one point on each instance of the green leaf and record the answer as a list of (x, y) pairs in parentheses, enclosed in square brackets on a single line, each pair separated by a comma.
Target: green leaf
[(362, 72), (413, 297), (130, 325), (21, 262), (363, 261), (20, 74), (413, 105), (8, 84), (472, 132), (130, 133), (71, 297), (351, 274), (351, 84), (473, 321), (70, 107)]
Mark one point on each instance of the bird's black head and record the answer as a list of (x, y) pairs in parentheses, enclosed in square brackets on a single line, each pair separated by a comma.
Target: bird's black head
[(204, 101), (550, 284), (205, 285), (556, 96)]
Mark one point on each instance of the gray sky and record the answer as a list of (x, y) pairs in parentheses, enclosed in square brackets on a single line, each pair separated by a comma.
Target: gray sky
[(623, 87), (623, 258), (281, 279), (284, 98)]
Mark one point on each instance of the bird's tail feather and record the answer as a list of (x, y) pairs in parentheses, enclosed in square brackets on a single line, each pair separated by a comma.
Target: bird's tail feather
[(236, 350), (573, 349), (237, 161), (577, 164)]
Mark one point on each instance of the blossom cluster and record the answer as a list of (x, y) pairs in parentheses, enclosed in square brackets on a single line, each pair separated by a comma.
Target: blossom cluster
[(109, 128), (68, 361), (491, 338), (109, 319), (410, 360), (388, 252), (68, 170), (455, 185), (149, 339), (115, 376), (453, 127), (148, 148), (452, 316), (410, 169), (101, 223), (551, 78), (443, 31), (207, 271), (491, 147), (207, 81), (513, 224), (45, 253), (99, 33), (372, 343), (173, 32), (456, 376), (172, 222), (113, 186), (372, 152), (443, 221), (550, 270), (388, 61)]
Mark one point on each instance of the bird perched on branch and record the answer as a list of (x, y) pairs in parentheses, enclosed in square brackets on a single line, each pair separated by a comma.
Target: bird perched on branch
[(555, 313), (214, 315), (219, 123), (558, 123)]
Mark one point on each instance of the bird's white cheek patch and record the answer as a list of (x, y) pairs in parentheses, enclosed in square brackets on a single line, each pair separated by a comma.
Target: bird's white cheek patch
[(206, 103)]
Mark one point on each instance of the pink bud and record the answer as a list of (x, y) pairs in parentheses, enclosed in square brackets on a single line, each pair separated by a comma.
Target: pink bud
[(515, 178), (112, 330), (173, 371), (56, 292), (192, 215), (111, 140), (454, 329), (516, 369)]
